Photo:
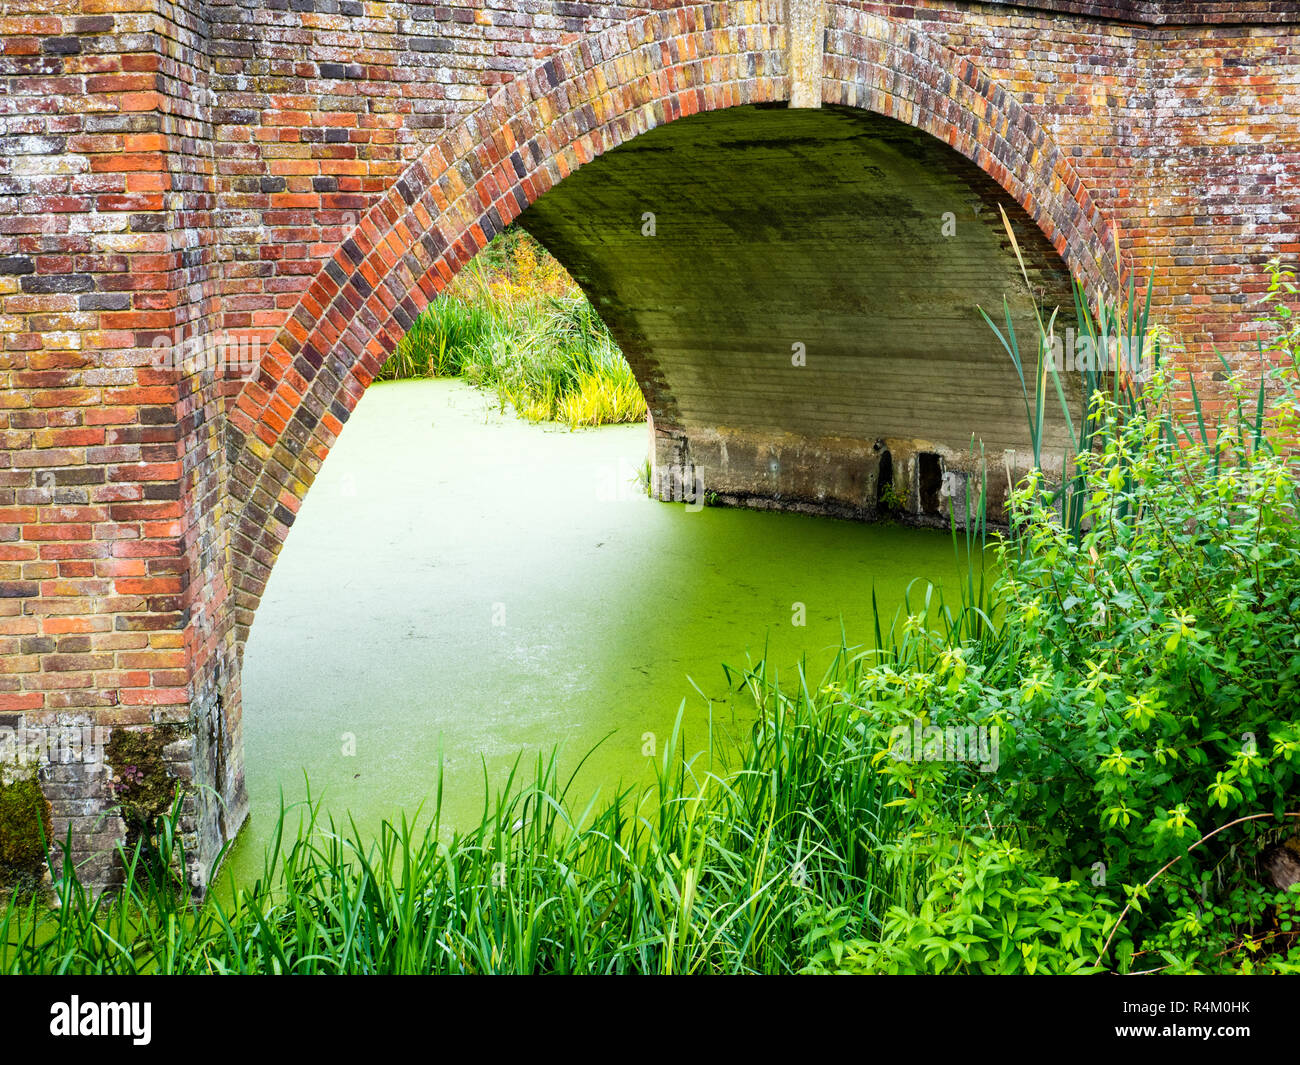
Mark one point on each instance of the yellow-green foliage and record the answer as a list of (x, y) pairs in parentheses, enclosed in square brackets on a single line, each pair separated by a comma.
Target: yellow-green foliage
[(602, 400), (24, 833), (516, 323)]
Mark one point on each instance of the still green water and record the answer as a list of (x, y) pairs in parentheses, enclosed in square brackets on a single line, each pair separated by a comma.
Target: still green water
[(461, 584)]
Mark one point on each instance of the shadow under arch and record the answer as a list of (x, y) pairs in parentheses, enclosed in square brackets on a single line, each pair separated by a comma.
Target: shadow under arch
[(579, 103)]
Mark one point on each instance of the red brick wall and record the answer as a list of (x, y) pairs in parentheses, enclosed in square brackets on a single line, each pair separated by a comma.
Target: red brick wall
[(185, 171), (1187, 135), (103, 183)]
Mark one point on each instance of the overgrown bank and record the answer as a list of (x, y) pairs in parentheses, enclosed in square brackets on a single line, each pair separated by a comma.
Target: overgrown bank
[(515, 323)]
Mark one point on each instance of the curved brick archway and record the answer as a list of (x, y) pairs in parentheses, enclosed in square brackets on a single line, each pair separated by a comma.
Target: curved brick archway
[(580, 103)]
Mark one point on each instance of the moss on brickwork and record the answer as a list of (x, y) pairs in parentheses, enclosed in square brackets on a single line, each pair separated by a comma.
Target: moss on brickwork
[(24, 831), (141, 784)]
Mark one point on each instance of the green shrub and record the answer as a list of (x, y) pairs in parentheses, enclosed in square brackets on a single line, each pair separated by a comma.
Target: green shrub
[(1144, 681), (25, 835), (984, 909)]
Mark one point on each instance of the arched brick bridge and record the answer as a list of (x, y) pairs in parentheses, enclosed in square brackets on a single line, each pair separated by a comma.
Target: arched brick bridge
[(822, 177)]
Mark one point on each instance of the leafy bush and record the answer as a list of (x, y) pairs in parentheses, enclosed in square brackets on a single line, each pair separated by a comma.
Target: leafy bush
[(1144, 684), (24, 835), (984, 909)]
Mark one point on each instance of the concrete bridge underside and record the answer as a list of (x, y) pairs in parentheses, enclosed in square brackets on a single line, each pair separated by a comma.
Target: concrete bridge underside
[(797, 292)]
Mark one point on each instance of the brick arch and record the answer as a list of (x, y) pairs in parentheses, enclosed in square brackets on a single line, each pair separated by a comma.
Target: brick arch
[(580, 102), (876, 64)]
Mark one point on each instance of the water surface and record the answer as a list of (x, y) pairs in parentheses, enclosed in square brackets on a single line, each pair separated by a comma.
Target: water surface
[(461, 584)]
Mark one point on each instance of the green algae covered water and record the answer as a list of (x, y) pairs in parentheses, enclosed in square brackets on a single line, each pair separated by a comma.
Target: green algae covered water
[(461, 586)]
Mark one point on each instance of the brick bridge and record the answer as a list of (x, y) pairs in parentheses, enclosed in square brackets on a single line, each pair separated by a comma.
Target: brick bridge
[(822, 181)]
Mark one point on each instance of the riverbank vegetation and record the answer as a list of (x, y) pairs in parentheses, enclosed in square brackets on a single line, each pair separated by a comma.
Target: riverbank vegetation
[(515, 324), (1087, 764)]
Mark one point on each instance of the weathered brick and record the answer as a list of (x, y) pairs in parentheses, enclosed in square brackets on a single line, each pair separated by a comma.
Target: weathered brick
[(45, 283), (61, 45)]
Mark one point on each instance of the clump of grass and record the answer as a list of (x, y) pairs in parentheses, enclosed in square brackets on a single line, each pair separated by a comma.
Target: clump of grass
[(515, 323), (440, 339)]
